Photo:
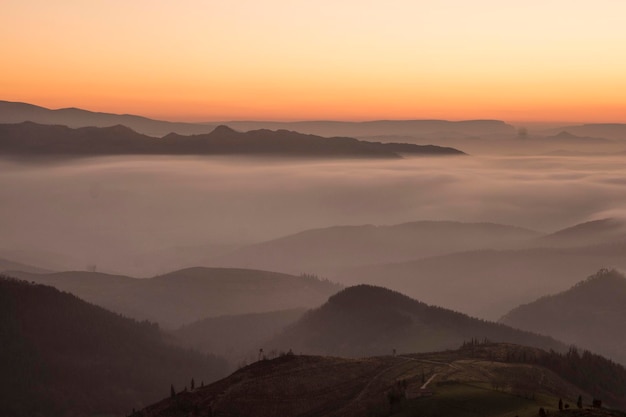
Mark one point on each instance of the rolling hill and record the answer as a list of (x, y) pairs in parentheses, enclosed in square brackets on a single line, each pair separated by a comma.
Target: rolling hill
[(64, 357), (31, 139), (478, 380), (191, 294), (592, 314), (365, 321), (327, 250)]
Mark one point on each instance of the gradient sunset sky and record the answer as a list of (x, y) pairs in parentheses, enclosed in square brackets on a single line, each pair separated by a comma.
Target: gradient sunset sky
[(208, 60)]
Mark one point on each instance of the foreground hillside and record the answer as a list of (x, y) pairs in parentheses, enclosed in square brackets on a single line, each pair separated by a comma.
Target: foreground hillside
[(324, 250), (591, 314), (64, 357), (365, 320), (191, 294), (477, 380), (31, 139)]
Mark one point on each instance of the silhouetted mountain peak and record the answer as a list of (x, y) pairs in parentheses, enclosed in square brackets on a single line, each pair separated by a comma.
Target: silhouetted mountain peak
[(223, 130)]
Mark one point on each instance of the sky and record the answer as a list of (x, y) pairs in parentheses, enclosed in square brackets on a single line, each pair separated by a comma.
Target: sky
[(193, 60)]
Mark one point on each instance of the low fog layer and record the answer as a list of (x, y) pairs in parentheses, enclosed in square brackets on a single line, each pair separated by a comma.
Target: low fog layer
[(147, 215)]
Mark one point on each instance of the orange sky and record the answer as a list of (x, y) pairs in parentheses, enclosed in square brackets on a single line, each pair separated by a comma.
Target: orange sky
[(345, 59)]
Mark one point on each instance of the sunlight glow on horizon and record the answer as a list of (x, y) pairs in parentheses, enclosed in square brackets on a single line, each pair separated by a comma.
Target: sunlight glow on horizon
[(302, 60)]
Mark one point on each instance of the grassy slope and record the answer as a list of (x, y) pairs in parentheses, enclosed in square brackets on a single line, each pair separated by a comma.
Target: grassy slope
[(326, 386)]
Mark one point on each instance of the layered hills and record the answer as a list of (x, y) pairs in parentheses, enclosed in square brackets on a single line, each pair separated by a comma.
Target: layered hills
[(592, 314), (64, 357), (491, 280), (191, 294), (32, 139)]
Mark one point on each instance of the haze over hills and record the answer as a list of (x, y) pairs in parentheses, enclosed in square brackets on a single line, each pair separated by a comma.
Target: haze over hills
[(31, 139), (327, 250), (592, 314), (6, 265), (486, 283), (365, 321), (236, 337), (589, 233), (64, 357), (479, 379), (191, 294)]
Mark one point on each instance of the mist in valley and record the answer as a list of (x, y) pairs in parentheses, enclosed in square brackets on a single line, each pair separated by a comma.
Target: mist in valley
[(147, 215)]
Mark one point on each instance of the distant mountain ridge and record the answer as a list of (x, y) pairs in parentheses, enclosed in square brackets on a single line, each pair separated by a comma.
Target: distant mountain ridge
[(28, 139), (431, 129), (613, 131), (16, 112), (587, 233)]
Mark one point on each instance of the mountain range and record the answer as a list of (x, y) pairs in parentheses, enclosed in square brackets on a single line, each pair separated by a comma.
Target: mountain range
[(15, 112), (32, 139)]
